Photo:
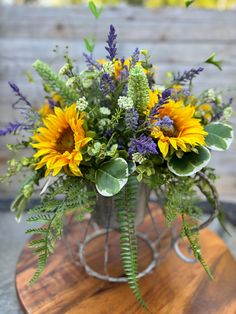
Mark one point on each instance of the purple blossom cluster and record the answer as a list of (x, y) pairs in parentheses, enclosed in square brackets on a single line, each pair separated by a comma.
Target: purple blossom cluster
[(18, 93), (161, 101), (143, 145), (187, 75), (131, 119), (13, 128), (53, 103), (135, 57), (91, 63), (111, 42), (107, 84)]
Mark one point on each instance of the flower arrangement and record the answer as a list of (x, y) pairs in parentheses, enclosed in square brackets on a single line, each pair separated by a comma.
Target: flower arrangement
[(105, 129)]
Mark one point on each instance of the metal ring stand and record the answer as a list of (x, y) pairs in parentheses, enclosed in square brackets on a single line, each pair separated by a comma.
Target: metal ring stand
[(152, 244), (93, 273)]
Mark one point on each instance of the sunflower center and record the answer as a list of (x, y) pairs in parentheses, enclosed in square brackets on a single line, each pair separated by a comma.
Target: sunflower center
[(66, 141), (167, 126)]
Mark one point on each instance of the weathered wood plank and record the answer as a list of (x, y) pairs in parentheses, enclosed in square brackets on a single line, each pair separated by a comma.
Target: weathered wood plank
[(142, 25), (123, 11), (178, 39), (191, 54)]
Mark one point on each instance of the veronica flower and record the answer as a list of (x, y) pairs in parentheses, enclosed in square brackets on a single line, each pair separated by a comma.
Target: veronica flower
[(135, 57), (187, 75), (18, 93), (143, 145), (12, 128), (111, 42), (131, 119), (107, 85), (91, 63)]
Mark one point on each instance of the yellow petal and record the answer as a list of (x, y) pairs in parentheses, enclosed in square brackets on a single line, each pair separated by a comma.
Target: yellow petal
[(164, 147)]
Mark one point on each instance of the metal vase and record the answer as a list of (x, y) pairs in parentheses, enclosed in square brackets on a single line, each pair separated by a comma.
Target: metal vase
[(105, 211)]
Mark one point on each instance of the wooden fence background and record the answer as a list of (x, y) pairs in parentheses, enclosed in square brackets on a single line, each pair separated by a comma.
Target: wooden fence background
[(178, 39)]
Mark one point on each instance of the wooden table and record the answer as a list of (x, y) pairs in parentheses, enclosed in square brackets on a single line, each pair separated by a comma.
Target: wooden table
[(174, 287)]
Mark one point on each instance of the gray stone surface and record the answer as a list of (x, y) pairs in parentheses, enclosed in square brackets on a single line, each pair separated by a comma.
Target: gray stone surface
[(12, 239)]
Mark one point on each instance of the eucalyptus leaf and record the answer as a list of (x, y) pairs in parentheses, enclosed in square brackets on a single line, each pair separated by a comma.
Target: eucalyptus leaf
[(111, 177), (220, 136), (190, 163)]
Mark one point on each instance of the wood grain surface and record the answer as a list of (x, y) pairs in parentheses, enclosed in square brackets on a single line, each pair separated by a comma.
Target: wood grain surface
[(174, 287)]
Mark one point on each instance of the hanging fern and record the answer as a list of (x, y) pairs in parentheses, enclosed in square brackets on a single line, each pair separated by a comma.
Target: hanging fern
[(193, 239), (51, 212), (126, 201), (48, 235)]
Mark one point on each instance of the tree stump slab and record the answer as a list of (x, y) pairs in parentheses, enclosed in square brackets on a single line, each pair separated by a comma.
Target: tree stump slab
[(174, 287)]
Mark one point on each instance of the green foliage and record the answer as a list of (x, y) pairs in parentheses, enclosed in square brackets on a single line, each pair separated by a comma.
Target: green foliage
[(89, 44), (125, 201), (95, 10), (27, 188), (145, 170), (190, 163), (111, 176), (180, 198), (207, 192), (14, 167), (63, 196), (193, 239), (55, 82), (212, 60), (189, 2), (45, 243), (220, 136), (138, 88)]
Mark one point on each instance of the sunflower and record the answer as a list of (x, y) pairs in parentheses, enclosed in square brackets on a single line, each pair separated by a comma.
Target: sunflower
[(60, 140), (175, 127), (45, 110)]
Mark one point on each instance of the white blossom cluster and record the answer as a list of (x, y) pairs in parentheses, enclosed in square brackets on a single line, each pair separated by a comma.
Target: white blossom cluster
[(81, 104), (125, 102), (108, 67), (105, 111)]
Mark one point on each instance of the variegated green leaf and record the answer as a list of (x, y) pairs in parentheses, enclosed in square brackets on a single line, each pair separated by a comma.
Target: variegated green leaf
[(111, 176), (219, 137), (190, 163)]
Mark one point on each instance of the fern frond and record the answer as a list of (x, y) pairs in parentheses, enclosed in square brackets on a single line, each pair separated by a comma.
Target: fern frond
[(45, 245), (74, 196), (193, 239), (125, 202)]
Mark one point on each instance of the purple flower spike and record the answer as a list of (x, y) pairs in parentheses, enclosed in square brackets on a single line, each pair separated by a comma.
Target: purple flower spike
[(91, 63), (111, 42), (143, 145), (166, 94), (135, 57), (131, 119), (17, 92), (107, 85), (12, 128), (187, 76)]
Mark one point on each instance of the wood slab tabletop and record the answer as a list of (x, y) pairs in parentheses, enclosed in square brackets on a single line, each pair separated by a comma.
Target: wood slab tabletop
[(174, 287)]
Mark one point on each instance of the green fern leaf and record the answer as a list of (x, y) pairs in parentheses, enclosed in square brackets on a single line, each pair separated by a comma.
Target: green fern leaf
[(125, 201)]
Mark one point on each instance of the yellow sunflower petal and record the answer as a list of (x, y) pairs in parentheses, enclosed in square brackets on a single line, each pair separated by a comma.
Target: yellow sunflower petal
[(164, 147)]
